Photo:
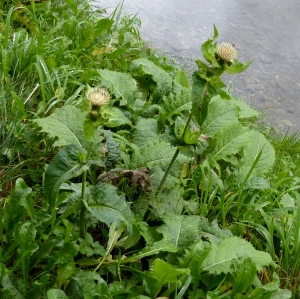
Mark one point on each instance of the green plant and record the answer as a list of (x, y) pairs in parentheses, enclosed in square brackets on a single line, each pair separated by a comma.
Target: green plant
[(116, 191)]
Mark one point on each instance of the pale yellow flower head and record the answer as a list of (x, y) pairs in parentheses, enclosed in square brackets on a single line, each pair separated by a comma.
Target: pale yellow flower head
[(226, 51), (98, 96)]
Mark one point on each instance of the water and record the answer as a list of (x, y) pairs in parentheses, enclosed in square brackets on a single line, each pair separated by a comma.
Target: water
[(267, 32)]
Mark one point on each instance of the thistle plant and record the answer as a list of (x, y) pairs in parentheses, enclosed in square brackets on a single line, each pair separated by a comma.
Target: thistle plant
[(98, 97), (207, 83)]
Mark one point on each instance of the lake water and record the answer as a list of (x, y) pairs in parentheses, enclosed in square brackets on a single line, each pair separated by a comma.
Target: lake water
[(267, 32)]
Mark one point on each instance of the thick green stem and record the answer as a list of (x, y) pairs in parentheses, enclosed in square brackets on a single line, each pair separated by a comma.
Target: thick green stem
[(83, 209), (174, 157)]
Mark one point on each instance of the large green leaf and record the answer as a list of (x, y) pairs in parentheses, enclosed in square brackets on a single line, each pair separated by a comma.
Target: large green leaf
[(179, 230), (202, 92), (162, 79), (9, 288), (257, 143), (56, 294), (114, 117), (15, 207), (220, 114), (230, 140), (169, 200), (68, 163), (104, 203), (64, 273), (195, 258), (145, 128), (244, 273), (92, 285), (160, 153), (163, 273), (237, 67), (175, 104), (25, 235), (182, 78), (65, 124), (222, 256), (245, 110), (122, 85)]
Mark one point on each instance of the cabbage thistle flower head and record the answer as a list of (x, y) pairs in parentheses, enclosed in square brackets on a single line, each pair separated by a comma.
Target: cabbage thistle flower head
[(226, 51), (98, 96)]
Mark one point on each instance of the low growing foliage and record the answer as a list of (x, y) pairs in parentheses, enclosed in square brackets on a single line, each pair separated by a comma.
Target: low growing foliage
[(121, 179)]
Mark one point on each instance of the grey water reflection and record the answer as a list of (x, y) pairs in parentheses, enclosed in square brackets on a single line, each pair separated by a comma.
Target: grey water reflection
[(268, 32)]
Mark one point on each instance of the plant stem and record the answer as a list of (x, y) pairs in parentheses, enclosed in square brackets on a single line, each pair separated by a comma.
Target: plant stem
[(167, 172), (1, 225), (174, 157), (83, 209)]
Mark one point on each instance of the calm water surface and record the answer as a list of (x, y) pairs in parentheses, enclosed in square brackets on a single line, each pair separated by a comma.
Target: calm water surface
[(268, 32)]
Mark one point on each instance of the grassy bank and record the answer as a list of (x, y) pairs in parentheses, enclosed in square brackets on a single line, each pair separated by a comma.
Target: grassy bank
[(122, 177)]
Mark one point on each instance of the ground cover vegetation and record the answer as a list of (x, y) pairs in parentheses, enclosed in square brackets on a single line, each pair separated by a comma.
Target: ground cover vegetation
[(121, 177)]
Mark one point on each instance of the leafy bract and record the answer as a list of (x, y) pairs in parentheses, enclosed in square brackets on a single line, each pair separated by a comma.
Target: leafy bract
[(68, 163), (237, 67), (230, 140), (222, 255), (113, 117), (107, 206), (245, 110), (209, 48), (220, 114), (180, 230), (162, 79), (122, 85), (257, 143), (65, 124)]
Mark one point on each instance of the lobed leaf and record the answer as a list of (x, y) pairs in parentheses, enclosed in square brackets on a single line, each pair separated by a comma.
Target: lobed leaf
[(179, 230), (145, 129), (162, 79), (105, 204), (257, 143), (68, 163), (230, 140), (122, 85), (65, 124), (245, 110), (221, 113), (222, 256)]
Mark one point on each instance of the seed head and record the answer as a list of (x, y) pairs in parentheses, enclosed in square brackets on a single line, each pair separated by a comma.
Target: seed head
[(98, 96), (226, 51)]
